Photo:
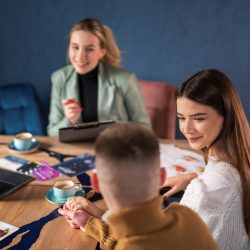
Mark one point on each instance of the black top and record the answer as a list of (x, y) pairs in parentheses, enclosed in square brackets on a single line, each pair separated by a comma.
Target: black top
[(88, 85)]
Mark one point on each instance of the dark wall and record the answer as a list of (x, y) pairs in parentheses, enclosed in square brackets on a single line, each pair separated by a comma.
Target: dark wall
[(164, 40)]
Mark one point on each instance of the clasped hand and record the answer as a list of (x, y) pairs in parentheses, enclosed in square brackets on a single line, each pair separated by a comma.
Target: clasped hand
[(78, 210)]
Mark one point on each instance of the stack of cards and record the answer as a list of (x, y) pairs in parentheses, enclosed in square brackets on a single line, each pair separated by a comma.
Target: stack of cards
[(39, 170)]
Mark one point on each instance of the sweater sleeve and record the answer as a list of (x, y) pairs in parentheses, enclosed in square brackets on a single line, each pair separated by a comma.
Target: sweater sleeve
[(100, 231)]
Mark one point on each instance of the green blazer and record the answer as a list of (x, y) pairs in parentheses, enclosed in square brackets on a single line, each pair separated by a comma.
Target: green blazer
[(119, 97)]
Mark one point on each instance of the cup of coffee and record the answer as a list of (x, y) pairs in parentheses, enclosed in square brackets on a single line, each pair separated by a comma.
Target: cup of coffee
[(23, 141), (64, 189)]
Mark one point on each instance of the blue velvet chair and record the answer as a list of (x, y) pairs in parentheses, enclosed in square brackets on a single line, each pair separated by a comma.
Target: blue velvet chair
[(19, 110)]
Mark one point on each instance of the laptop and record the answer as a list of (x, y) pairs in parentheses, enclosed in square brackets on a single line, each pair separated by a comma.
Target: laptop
[(10, 181)]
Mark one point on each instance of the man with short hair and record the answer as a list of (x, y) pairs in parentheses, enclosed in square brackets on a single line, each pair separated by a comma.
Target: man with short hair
[(129, 176)]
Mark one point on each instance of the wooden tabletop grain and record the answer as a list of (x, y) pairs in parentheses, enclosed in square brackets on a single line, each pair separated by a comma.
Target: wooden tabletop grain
[(27, 205)]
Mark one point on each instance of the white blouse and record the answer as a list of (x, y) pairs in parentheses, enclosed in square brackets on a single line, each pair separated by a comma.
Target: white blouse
[(216, 196)]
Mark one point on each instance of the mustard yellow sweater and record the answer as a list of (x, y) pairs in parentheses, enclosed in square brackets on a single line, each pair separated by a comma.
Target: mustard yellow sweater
[(147, 227)]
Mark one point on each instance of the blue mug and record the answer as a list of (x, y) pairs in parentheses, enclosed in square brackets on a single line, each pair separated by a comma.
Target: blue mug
[(64, 189), (23, 141)]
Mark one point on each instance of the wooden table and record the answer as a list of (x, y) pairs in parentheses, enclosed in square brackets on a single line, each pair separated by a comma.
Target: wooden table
[(28, 204)]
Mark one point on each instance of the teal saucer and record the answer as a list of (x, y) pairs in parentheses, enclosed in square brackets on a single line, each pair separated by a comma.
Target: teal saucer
[(34, 146), (50, 197)]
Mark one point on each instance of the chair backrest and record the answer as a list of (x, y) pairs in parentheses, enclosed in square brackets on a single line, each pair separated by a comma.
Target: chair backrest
[(160, 103), (19, 110)]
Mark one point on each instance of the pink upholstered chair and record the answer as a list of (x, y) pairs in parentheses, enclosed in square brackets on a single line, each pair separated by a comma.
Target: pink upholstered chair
[(160, 103)]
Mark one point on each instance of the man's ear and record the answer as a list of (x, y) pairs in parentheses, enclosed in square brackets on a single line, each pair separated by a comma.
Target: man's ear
[(94, 182), (163, 176)]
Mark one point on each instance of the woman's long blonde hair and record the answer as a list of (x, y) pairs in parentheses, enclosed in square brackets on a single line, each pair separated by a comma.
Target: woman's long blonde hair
[(213, 88), (105, 36)]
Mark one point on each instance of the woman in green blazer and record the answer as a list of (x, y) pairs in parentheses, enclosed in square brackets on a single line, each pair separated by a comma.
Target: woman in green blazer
[(94, 87)]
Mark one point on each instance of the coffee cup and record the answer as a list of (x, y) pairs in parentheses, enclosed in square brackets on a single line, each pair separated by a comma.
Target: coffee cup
[(64, 189), (23, 141)]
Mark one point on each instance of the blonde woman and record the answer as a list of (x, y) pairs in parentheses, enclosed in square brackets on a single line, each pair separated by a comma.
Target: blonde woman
[(93, 87)]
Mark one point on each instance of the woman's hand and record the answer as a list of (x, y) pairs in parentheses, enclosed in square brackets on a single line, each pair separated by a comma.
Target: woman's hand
[(177, 183), (80, 203), (72, 110)]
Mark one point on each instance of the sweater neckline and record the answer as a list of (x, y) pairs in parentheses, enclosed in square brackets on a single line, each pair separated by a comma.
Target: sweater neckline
[(139, 219), (91, 75)]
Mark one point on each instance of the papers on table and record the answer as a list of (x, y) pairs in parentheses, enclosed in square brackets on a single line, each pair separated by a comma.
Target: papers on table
[(39, 170), (180, 161), (6, 229), (77, 165), (10, 162)]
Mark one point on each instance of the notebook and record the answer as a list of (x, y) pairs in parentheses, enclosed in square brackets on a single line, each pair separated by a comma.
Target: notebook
[(10, 181), (83, 131)]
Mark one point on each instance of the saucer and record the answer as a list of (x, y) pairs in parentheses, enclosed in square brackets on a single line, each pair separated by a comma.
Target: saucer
[(34, 146), (50, 197)]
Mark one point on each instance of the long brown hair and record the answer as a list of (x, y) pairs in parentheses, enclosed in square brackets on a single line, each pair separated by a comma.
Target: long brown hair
[(213, 88), (105, 36)]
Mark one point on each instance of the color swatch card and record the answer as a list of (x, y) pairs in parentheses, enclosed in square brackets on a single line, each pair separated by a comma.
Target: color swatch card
[(6, 230), (39, 170), (77, 165)]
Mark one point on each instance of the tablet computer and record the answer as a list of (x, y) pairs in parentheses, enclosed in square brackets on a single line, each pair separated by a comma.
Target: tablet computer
[(83, 131)]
